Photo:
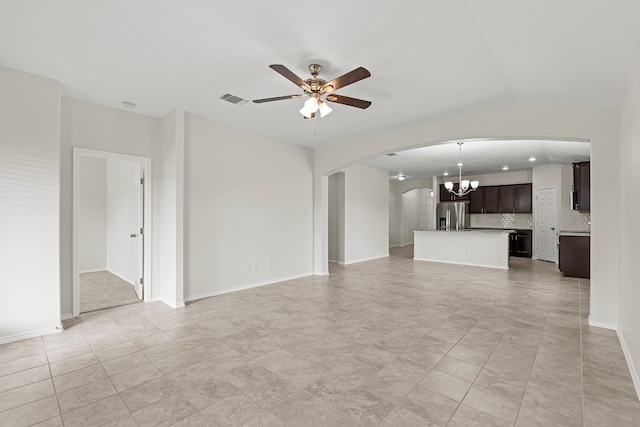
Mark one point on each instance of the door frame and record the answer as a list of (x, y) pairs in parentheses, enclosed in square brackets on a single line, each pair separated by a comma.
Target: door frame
[(145, 164)]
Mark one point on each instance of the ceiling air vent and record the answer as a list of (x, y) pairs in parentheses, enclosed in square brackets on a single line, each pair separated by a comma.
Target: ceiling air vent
[(234, 99)]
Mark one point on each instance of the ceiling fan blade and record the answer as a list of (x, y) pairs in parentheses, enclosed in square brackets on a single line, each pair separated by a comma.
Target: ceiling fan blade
[(346, 79), (289, 75), (352, 102), (277, 98)]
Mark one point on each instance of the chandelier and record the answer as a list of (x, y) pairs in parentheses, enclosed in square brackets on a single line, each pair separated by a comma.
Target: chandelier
[(465, 186)]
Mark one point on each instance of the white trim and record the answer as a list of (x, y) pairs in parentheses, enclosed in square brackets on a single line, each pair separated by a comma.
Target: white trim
[(66, 316), (122, 277), (145, 163), (364, 259), (32, 334), (335, 261), (602, 325), (93, 270), (632, 367), (243, 288), (177, 305)]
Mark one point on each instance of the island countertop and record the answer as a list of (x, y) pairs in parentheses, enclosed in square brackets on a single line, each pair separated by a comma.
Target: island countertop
[(482, 248), (476, 230)]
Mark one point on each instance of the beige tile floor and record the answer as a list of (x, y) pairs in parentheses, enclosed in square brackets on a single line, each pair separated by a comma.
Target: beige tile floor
[(390, 342)]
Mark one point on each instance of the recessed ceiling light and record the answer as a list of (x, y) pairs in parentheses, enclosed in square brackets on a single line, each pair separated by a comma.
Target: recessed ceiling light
[(128, 104), (532, 159), (446, 174), (505, 168), (401, 177)]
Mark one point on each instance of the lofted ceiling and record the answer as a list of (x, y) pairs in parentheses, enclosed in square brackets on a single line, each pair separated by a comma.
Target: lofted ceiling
[(428, 58), (480, 156)]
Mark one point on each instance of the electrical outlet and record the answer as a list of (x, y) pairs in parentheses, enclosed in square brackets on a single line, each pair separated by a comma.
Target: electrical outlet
[(251, 267), (267, 264)]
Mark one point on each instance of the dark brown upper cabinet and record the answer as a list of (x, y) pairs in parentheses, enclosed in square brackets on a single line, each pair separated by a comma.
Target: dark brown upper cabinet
[(491, 199), (446, 196), (507, 198), (524, 198), (501, 199), (582, 186), (476, 201)]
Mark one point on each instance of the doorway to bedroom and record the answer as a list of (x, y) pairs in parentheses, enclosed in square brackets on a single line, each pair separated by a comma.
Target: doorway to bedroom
[(109, 226)]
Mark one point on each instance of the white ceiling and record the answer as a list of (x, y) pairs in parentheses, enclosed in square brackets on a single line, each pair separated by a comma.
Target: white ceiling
[(481, 157), (428, 58)]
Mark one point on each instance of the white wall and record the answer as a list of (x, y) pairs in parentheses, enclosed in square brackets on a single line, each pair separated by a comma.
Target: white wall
[(629, 297), (96, 127), (92, 214), (503, 178), (248, 200), (123, 178), (172, 209), (415, 212), (336, 217), (395, 213), (396, 190), (599, 125), (366, 210), (30, 205)]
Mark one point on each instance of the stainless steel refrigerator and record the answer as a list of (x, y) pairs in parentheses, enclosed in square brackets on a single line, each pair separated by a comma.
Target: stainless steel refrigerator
[(453, 216)]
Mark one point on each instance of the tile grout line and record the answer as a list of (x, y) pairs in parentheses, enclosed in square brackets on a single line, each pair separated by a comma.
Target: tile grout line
[(53, 382), (581, 348), (534, 362)]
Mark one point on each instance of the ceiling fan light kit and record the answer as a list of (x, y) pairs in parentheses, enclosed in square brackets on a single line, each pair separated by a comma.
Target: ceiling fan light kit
[(317, 88)]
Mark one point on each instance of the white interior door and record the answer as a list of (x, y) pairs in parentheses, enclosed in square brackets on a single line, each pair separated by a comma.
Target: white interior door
[(545, 240)]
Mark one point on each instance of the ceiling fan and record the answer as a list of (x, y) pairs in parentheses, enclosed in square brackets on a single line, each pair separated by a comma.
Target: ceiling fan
[(319, 90)]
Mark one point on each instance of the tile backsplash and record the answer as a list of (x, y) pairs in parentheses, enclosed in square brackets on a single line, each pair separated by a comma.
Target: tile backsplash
[(575, 221), (504, 220)]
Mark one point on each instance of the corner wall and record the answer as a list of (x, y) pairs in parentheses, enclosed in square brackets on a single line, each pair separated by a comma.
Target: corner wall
[(629, 298), (30, 200), (366, 213), (248, 201)]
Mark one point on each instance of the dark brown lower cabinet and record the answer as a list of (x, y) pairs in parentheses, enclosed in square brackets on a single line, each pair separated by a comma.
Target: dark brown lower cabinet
[(574, 255), (521, 244)]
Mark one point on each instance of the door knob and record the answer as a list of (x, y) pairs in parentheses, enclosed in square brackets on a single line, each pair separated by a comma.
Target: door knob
[(134, 235)]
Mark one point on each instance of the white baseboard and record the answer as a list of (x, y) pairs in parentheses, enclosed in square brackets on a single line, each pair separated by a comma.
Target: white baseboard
[(92, 270), (66, 316), (364, 259), (602, 324), (632, 367), (242, 288), (31, 334), (121, 276), (335, 261)]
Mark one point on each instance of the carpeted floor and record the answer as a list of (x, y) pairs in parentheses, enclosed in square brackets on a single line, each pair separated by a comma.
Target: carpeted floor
[(102, 289)]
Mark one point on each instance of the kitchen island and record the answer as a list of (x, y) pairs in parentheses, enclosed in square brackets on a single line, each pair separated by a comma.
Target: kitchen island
[(482, 248)]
